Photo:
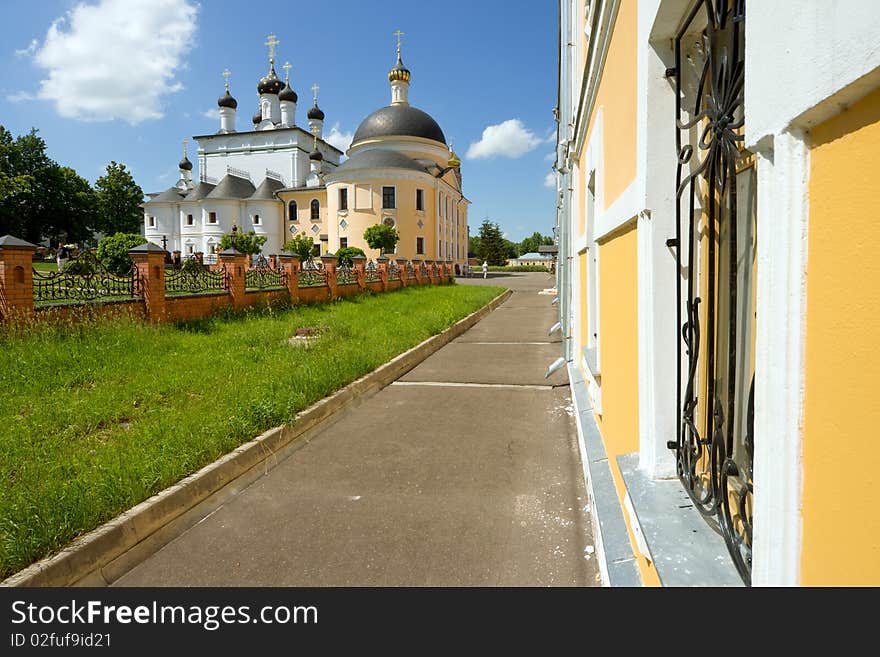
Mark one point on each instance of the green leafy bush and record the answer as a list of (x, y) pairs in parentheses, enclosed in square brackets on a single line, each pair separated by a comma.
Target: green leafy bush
[(382, 237), (344, 255), (300, 245), (249, 243), (113, 251)]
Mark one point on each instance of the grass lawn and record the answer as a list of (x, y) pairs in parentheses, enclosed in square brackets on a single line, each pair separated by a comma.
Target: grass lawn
[(45, 266), (96, 417)]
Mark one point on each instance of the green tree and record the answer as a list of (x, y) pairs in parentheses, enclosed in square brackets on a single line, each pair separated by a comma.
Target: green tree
[(26, 212), (119, 201), (382, 237), (249, 243), (74, 205), (113, 251), (492, 246), (301, 245), (38, 197), (344, 255), (473, 246)]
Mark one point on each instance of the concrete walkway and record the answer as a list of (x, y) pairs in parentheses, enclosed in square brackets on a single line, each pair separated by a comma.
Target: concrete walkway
[(464, 472)]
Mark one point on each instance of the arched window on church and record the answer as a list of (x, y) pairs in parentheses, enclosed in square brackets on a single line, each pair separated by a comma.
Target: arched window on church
[(316, 210), (291, 211)]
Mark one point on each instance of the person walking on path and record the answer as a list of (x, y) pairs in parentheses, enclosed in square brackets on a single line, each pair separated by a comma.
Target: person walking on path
[(485, 268), (62, 256)]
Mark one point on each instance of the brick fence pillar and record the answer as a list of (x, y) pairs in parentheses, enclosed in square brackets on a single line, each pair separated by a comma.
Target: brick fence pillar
[(401, 271), (450, 272), (430, 266), (359, 265), (16, 278), (149, 264), (291, 265), (235, 263), (417, 269), (382, 266), (329, 262)]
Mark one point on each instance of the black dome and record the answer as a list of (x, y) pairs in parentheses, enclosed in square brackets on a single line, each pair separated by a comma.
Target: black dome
[(270, 84), (288, 94), (258, 116), (185, 164), (316, 155), (316, 113), (401, 120), (227, 101)]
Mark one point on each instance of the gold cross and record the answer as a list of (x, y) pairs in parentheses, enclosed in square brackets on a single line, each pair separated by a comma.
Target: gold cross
[(398, 34), (226, 75), (184, 142), (315, 88), (272, 42), (287, 66)]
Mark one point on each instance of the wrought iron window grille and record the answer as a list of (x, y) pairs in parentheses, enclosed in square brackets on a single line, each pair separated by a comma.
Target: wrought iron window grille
[(715, 427)]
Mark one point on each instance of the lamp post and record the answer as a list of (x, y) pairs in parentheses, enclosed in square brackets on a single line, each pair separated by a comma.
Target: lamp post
[(165, 242)]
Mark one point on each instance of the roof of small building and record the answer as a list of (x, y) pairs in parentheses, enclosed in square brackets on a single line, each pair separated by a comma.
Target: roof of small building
[(232, 187), (266, 190), (380, 159), (200, 191), (534, 256), (170, 195)]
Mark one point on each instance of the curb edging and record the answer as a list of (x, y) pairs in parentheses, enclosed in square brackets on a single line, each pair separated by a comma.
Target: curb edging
[(106, 553)]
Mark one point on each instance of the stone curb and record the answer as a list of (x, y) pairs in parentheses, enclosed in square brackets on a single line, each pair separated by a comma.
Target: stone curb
[(106, 553)]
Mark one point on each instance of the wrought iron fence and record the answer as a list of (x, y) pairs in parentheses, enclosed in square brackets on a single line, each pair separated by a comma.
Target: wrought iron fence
[(313, 274), (393, 271), (346, 275), (84, 279), (263, 277), (410, 270), (372, 271), (191, 277), (423, 268)]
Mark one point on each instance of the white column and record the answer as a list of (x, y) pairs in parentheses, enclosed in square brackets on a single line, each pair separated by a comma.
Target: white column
[(782, 169)]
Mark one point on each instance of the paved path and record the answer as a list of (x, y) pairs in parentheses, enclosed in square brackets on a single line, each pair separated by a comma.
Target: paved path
[(464, 472)]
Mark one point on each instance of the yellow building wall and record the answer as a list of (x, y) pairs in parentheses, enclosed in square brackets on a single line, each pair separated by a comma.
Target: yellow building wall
[(841, 527), (405, 215), (304, 223), (619, 360), (617, 98)]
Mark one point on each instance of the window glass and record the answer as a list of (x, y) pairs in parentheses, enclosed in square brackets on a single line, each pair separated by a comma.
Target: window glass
[(291, 211), (388, 200), (316, 210), (343, 199)]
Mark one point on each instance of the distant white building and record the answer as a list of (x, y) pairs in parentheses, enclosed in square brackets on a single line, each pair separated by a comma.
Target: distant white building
[(531, 260)]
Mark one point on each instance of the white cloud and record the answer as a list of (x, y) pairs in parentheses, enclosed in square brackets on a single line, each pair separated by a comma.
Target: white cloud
[(509, 139), (342, 140), (20, 96), (549, 157), (213, 113), (29, 51), (550, 180), (115, 59)]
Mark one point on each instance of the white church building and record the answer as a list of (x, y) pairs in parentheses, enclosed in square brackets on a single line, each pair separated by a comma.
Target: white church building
[(279, 179), (240, 171)]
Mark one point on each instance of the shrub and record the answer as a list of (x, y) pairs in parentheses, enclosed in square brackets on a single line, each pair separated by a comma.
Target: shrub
[(300, 245), (382, 237), (113, 251), (344, 256), (249, 243)]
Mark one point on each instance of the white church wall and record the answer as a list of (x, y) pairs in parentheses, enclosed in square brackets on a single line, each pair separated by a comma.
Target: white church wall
[(271, 223)]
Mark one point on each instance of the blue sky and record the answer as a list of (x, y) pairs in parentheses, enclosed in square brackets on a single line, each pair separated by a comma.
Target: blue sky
[(126, 80)]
